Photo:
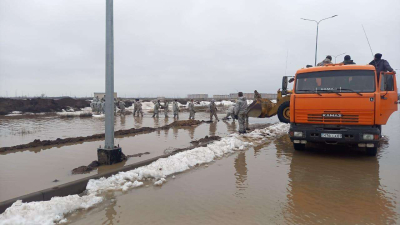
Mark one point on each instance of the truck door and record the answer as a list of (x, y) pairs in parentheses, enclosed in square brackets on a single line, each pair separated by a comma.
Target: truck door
[(388, 96)]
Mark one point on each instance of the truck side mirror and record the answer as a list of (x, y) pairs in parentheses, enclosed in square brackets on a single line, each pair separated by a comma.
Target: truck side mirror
[(284, 85)]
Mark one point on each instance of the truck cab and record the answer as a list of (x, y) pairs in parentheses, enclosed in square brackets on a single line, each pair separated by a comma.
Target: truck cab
[(341, 104)]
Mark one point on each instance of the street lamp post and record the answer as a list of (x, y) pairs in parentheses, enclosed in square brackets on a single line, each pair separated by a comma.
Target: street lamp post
[(316, 42), (109, 154), (339, 55)]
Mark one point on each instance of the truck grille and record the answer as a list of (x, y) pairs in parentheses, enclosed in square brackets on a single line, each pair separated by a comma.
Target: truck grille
[(319, 118)]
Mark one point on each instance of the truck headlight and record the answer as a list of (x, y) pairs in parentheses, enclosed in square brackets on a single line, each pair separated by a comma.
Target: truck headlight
[(368, 137), (298, 134)]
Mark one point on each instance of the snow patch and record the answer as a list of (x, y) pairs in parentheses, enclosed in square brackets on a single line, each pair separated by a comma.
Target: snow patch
[(46, 212), (160, 182), (147, 105), (71, 112)]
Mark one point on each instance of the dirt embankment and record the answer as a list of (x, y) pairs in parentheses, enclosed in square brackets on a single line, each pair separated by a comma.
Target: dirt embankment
[(38, 105), (62, 141)]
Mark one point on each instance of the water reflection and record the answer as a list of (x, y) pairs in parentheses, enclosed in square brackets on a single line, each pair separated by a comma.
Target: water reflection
[(231, 126), (191, 132), (213, 128), (166, 131), (138, 121), (122, 120), (334, 187), (175, 131), (241, 174), (111, 213), (156, 122)]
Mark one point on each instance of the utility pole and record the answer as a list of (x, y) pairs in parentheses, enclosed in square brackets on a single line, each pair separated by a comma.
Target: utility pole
[(316, 42), (109, 111), (109, 154)]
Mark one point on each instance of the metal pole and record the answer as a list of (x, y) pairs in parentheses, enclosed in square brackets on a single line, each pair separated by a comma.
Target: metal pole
[(109, 104), (316, 47), (316, 41)]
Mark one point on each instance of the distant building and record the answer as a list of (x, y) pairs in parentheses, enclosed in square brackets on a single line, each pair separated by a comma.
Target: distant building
[(101, 94), (268, 96), (221, 96), (197, 96), (233, 95), (251, 95)]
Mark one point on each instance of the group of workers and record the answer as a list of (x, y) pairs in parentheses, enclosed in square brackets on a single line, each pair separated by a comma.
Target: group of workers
[(238, 111), (175, 109), (380, 64), (98, 106)]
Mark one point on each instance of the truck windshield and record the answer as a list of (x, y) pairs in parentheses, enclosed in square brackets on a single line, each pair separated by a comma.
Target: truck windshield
[(336, 81)]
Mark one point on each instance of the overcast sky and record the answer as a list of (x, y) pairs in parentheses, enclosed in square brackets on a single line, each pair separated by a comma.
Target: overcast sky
[(177, 47)]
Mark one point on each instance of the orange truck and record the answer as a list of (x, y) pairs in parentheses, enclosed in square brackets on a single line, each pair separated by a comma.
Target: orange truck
[(341, 104)]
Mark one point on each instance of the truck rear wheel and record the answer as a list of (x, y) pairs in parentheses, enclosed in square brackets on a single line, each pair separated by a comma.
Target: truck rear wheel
[(372, 151), (284, 112), (299, 147)]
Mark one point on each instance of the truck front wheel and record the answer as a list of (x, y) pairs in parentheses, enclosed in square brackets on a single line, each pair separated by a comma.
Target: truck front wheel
[(299, 147), (372, 151), (284, 112)]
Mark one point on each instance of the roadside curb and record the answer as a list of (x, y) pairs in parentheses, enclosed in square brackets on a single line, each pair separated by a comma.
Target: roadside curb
[(74, 187)]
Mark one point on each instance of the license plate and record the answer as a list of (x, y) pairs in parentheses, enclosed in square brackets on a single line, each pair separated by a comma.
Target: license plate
[(325, 135)]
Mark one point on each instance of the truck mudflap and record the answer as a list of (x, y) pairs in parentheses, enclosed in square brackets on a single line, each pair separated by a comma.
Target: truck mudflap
[(363, 136)]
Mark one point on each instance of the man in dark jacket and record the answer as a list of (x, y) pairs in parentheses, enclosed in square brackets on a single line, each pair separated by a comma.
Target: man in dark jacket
[(347, 60), (381, 65)]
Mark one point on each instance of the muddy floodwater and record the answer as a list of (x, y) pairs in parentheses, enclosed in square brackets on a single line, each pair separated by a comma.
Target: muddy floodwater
[(269, 183), (33, 169)]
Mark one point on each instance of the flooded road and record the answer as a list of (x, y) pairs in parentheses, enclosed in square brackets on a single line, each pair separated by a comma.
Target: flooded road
[(24, 129), (269, 184), (39, 167)]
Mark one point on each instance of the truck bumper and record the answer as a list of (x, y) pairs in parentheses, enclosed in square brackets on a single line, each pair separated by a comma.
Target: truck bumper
[(335, 134)]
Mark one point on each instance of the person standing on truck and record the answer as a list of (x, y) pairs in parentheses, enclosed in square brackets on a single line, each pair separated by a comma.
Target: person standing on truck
[(175, 109), (381, 65), (326, 61), (191, 110), (241, 112), (347, 60)]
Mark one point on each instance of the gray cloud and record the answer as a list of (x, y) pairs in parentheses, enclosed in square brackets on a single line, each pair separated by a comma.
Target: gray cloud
[(173, 48)]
